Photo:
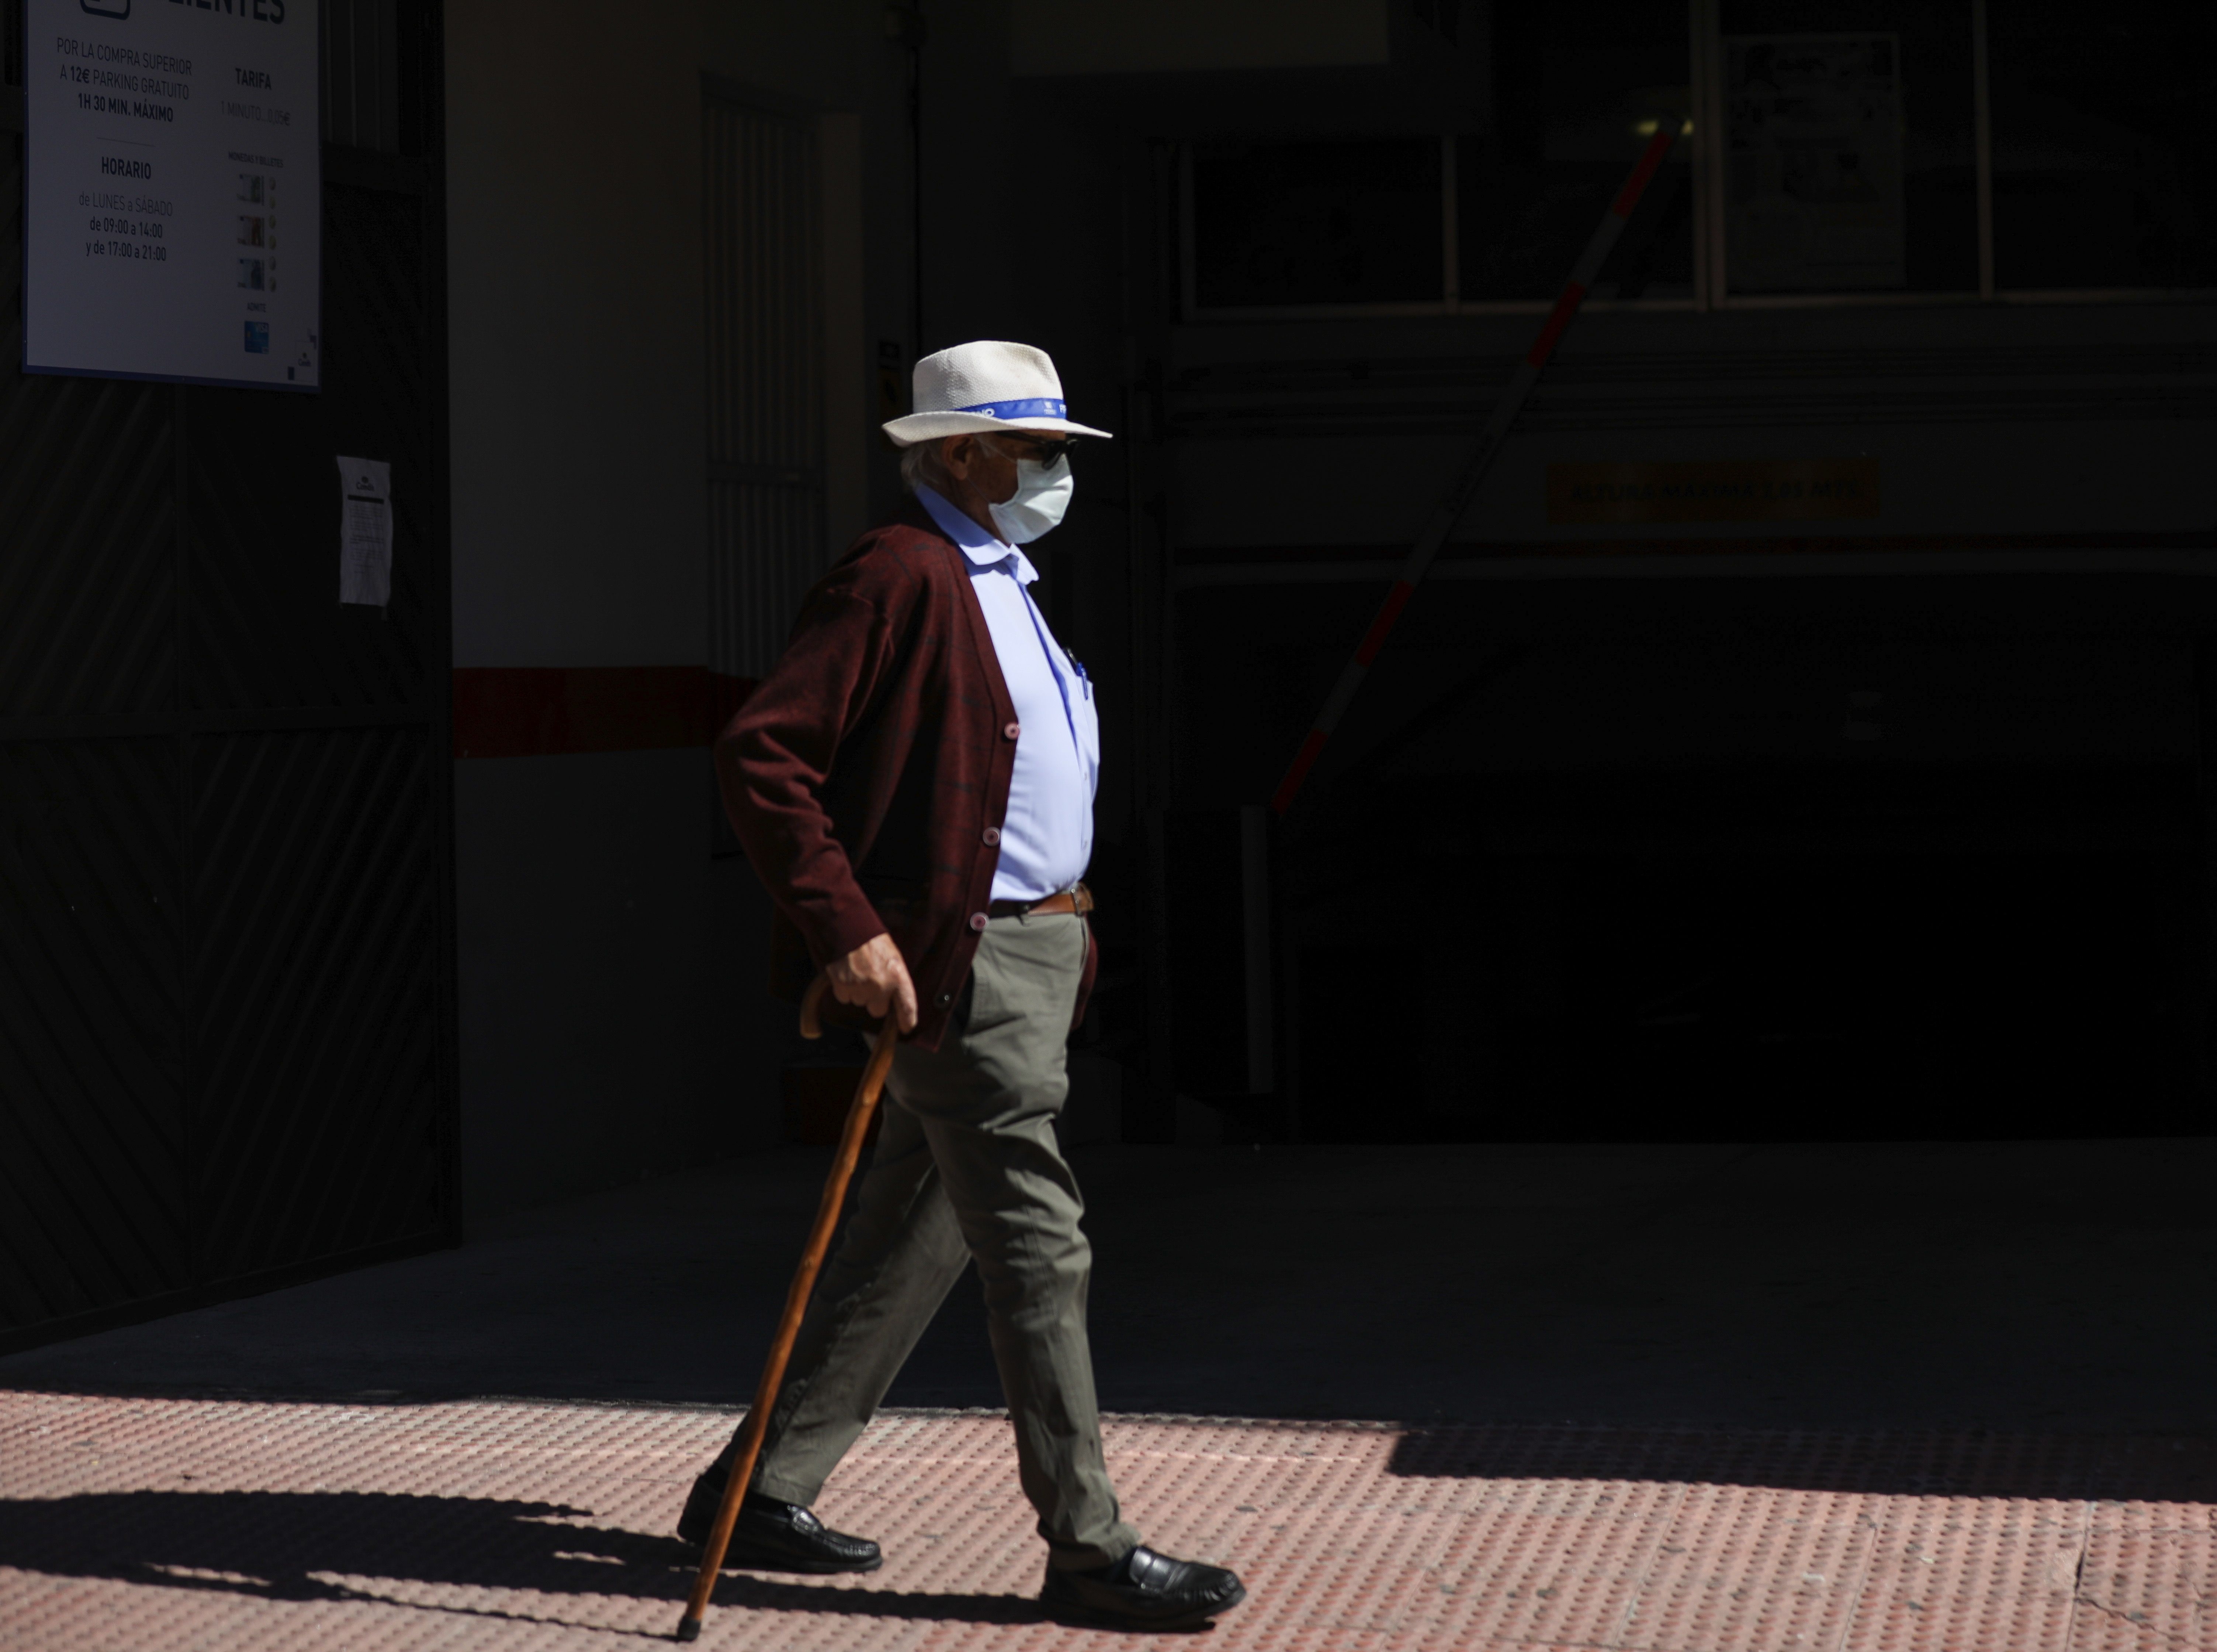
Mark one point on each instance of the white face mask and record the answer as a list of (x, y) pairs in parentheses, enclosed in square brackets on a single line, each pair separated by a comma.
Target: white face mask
[(1042, 494)]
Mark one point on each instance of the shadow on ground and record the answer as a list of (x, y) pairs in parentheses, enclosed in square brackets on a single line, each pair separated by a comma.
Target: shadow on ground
[(1919, 1464), (2033, 1288), (427, 1553), (319, 1546)]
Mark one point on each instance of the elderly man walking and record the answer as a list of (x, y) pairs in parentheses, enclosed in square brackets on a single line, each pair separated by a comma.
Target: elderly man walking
[(914, 782)]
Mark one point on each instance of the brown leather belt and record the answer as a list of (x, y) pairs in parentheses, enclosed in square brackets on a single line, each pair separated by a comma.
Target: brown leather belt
[(1078, 900)]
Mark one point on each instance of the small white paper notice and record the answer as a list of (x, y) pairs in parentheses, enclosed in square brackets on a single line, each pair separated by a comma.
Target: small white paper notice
[(366, 532)]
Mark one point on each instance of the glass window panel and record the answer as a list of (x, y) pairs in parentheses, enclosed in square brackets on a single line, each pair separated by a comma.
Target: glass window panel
[(2100, 119), (1577, 94), (1343, 222), (1850, 160)]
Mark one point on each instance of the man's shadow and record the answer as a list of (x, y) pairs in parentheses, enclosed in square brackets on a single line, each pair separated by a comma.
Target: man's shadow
[(276, 1545)]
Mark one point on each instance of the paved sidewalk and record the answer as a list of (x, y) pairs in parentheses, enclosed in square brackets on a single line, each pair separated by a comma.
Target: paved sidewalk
[(160, 1524), (1911, 1397)]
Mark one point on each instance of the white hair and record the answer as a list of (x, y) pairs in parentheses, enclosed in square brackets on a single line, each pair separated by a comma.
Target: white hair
[(920, 467), (921, 464)]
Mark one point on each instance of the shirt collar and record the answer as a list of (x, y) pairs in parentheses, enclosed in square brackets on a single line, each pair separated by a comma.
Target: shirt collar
[(983, 549)]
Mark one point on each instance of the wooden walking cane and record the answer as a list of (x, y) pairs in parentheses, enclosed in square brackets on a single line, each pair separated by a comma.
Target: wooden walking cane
[(860, 1111)]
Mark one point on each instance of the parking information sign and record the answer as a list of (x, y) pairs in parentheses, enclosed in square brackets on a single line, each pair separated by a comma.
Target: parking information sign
[(173, 222)]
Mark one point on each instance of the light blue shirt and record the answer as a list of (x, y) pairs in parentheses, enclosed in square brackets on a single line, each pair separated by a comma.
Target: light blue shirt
[(1047, 839)]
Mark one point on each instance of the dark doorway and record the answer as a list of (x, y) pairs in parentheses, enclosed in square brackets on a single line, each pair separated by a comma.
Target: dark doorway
[(1761, 954)]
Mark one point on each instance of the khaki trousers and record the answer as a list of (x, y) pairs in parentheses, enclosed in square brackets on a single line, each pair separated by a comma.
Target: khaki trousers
[(966, 1169)]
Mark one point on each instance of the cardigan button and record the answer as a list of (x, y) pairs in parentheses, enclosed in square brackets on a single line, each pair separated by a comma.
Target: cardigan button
[(992, 835), (945, 999), (1013, 730), (977, 922)]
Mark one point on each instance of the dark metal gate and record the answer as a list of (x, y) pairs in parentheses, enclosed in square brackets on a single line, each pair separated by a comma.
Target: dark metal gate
[(226, 889)]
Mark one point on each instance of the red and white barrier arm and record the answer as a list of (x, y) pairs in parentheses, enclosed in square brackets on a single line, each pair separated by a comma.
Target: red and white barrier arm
[(1459, 496)]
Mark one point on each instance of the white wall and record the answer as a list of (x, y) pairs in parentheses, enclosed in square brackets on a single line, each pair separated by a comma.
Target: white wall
[(613, 1023), (574, 270)]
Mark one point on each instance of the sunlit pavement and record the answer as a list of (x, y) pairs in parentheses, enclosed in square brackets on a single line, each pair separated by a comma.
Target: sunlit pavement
[(176, 1522)]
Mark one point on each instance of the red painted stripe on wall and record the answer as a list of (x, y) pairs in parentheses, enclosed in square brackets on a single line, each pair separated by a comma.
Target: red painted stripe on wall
[(558, 711)]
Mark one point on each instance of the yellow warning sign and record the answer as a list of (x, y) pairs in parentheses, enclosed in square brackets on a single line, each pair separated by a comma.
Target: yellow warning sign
[(1713, 491)]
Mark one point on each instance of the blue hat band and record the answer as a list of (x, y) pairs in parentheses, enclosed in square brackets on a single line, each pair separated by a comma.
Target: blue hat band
[(1039, 407)]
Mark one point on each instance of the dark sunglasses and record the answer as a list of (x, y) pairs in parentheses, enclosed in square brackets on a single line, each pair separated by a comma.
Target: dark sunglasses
[(1041, 450)]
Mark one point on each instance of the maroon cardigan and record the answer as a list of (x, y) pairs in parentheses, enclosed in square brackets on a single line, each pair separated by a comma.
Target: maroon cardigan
[(867, 774)]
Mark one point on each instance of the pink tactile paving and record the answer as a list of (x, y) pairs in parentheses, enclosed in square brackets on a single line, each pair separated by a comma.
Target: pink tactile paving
[(153, 1523), (1955, 1572), (1754, 1566), (2148, 1579)]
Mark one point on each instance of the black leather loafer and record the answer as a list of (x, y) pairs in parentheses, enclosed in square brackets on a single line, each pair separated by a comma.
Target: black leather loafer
[(1144, 1590), (774, 1536)]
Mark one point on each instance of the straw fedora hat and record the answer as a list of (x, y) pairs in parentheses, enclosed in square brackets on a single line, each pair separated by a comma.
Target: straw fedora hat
[(987, 386)]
